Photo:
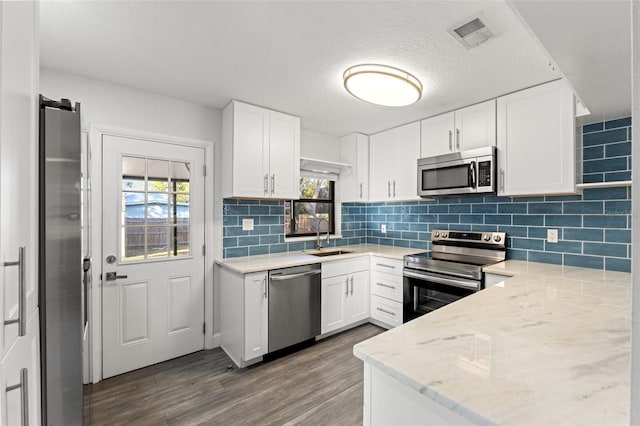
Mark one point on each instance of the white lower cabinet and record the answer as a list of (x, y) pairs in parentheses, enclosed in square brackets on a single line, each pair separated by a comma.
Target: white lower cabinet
[(345, 293), (386, 311), (20, 378), (386, 291), (244, 315)]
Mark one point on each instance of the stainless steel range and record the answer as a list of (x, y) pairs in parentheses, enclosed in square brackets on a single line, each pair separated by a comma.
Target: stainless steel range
[(450, 271)]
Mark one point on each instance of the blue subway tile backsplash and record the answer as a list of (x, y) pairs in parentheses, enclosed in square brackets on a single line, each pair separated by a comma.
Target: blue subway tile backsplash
[(594, 228)]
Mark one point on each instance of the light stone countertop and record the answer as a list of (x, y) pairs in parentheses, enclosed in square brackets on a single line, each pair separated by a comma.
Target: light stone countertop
[(548, 346), (264, 262)]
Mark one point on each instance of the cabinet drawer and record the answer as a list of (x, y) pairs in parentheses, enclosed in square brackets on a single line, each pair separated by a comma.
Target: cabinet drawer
[(383, 264), (387, 285), (346, 266), (386, 311)]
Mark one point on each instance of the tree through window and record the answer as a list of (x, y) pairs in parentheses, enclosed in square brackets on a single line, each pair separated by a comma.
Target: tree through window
[(314, 209)]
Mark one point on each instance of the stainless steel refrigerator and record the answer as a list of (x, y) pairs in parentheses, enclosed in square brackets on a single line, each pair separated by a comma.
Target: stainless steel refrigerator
[(60, 263)]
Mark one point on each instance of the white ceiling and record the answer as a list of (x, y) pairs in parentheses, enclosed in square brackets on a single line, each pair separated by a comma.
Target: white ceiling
[(590, 42), (290, 56)]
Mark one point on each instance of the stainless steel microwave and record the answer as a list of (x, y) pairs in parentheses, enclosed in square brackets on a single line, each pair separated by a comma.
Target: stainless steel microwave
[(459, 173)]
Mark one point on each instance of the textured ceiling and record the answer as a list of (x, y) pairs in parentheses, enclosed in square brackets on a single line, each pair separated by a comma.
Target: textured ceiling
[(590, 42), (289, 56)]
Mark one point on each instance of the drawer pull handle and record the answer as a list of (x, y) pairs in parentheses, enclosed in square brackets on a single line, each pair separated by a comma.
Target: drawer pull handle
[(24, 396), (386, 312), (386, 285), (386, 266)]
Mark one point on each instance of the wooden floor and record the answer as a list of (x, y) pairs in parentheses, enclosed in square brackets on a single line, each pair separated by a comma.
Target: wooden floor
[(318, 385)]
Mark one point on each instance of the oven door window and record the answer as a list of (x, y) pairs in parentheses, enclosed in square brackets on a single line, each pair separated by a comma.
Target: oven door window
[(450, 177), (429, 296)]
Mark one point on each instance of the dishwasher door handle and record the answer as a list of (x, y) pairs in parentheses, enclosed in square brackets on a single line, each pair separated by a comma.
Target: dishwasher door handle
[(292, 276)]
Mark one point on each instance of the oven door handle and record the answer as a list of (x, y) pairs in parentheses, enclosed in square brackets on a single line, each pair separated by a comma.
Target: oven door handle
[(440, 280)]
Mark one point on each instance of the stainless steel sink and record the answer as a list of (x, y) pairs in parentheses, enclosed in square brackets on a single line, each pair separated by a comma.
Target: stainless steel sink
[(329, 253)]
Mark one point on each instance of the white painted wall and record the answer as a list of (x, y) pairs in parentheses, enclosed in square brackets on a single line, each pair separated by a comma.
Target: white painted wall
[(110, 105), (319, 146)]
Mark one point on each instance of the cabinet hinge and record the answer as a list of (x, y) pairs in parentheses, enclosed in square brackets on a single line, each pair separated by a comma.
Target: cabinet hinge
[(204, 249), (204, 328), (204, 170)]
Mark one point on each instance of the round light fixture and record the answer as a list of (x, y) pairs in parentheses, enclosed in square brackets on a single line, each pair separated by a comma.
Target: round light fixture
[(382, 85)]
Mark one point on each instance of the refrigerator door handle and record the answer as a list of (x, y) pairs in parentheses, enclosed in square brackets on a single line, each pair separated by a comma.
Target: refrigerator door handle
[(22, 318)]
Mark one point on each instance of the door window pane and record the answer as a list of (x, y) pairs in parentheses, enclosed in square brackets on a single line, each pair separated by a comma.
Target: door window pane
[(179, 213), (157, 175), (157, 241), (133, 173), (157, 208), (133, 247), (179, 241)]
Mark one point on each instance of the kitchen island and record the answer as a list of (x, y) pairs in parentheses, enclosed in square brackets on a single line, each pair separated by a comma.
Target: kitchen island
[(550, 345)]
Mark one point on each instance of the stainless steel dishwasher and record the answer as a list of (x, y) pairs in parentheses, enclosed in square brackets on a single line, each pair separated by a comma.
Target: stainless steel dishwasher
[(294, 305)]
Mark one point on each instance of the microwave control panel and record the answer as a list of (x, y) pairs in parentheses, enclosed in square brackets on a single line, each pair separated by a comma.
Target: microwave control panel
[(484, 173)]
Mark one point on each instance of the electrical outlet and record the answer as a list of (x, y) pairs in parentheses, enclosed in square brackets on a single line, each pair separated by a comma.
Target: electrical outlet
[(247, 224), (383, 229), (552, 235)]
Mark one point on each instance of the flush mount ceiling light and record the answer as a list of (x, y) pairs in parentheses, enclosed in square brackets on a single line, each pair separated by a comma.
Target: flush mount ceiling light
[(382, 85)]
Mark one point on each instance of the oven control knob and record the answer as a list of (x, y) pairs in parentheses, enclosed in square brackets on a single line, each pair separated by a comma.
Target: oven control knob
[(445, 235), (436, 234), (486, 237), (497, 238)]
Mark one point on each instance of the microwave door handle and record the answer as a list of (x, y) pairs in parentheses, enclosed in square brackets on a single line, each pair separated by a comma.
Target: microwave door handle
[(472, 174)]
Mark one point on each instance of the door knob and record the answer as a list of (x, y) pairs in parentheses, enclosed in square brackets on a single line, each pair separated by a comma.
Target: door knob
[(112, 276)]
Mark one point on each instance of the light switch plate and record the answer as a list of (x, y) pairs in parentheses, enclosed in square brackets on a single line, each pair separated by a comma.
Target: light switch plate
[(247, 224), (383, 229), (552, 235)]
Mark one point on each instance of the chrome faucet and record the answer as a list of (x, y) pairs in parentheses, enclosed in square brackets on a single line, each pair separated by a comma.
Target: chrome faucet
[(319, 244)]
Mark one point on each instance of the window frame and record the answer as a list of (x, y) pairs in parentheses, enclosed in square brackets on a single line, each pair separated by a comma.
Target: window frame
[(332, 211)]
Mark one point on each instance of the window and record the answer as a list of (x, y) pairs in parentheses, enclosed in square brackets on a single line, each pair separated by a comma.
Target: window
[(314, 209), (155, 209)]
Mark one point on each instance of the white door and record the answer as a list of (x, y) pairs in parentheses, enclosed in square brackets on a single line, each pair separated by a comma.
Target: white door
[(437, 135), (333, 303), (405, 182), (152, 253), (476, 126), (284, 156), (382, 154)]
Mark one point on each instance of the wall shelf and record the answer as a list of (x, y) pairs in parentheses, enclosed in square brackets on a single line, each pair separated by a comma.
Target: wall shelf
[(603, 184), (315, 165)]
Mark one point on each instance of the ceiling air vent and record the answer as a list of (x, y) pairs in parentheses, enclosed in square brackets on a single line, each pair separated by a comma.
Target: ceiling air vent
[(472, 33)]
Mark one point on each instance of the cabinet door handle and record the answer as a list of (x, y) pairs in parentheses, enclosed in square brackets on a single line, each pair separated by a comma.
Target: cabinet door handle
[(450, 140), (352, 285), (22, 318), (385, 265), (389, 188), (360, 189), (386, 312), (502, 180), (273, 184), (386, 285), (346, 292), (24, 396), (266, 184), (264, 287), (394, 189), (458, 139)]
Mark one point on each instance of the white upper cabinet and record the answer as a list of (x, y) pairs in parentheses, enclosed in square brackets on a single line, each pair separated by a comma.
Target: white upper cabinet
[(260, 153), (536, 141), (393, 163), (467, 128), (354, 182)]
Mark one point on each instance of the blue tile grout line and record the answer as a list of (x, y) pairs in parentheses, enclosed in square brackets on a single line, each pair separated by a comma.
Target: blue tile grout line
[(594, 228)]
